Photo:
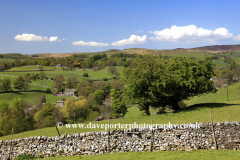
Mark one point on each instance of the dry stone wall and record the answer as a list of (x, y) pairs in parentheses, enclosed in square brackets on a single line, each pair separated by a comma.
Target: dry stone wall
[(128, 140)]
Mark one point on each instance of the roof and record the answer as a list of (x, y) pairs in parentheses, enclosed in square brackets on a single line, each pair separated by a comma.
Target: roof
[(61, 100), (69, 90)]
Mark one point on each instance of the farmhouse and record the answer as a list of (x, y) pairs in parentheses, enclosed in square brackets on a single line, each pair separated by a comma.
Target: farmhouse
[(59, 65), (61, 102), (69, 92)]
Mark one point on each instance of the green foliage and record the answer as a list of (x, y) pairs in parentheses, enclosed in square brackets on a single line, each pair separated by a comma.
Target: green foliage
[(4, 108), (93, 115), (99, 96), (85, 74), (59, 82), (5, 85), (18, 115), (105, 79), (19, 82), (182, 105), (159, 82), (118, 105), (25, 156), (48, 90), (72, 82)]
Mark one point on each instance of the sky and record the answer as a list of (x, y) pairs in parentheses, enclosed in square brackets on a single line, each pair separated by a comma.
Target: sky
[(66, 26)]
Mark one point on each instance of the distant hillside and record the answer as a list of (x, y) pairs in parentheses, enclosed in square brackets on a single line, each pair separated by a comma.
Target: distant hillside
[(212, 49)]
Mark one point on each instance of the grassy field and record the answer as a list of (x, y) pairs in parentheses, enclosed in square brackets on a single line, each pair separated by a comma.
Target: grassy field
[(29, 97), (8, 59), (171, 155), (197, 111)]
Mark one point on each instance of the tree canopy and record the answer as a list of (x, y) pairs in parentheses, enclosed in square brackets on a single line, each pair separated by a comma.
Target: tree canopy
[(157, 82)]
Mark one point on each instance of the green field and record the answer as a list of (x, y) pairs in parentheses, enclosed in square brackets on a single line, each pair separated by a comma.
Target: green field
[(171, 155), (198, 111), (29, 97), (8, 59)]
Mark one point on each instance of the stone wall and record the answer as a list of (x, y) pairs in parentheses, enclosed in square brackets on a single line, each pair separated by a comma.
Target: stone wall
[(134, 140)]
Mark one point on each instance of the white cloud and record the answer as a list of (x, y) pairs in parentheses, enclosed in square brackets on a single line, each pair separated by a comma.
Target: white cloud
[(134, 39), (140, 31), (53, 39), (236, 38), (30, 37), (82, 43), (192, 34)]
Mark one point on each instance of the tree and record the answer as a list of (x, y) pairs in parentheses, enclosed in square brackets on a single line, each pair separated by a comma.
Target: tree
[(59, 82), (40, 67), (19, 82), (118, 105), (158, 82), (18, 114), (5, 85), (39, 100), (80, 108), (112, 69), (4, 108), (72, 82), (42, 75), (85, 74), (98, 96)]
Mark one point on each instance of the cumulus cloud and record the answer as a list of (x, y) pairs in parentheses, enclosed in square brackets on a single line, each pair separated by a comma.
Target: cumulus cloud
[(236, 38), (53, 39), (30, 37), (134, 39), (96, 44), (140, 31), (192, 34)]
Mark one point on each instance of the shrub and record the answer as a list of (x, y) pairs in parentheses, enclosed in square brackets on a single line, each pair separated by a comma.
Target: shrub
[(85, 74), (93, 115), (105, 79), (48, 90), (182, 105)]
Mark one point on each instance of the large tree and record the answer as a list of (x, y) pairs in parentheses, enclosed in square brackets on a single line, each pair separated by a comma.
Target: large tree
[(156, 82), (59, 82)]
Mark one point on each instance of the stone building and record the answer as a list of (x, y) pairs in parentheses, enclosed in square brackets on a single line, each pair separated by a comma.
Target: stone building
[(61, 102), (59, 65), (69, 92)]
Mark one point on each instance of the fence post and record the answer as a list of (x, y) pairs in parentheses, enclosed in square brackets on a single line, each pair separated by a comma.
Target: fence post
[(108, 146), (58, 131), (215, 142)]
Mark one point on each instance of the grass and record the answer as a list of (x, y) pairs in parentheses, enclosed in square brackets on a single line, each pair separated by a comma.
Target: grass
[(29, 97), (9, 59), (171, 155)]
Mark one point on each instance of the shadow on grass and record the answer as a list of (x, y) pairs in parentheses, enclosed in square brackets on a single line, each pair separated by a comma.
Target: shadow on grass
[(203, 106)]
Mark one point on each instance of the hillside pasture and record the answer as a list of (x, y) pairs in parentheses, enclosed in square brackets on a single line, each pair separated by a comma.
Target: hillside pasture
[(29, 97)]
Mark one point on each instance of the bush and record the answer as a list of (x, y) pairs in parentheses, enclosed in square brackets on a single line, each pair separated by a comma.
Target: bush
[(80, 120), (93, 115), (105, 79), (85, 74), (182, 105), (48, 90)]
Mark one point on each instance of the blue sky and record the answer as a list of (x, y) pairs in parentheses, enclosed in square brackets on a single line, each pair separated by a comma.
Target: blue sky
[(61, 26)]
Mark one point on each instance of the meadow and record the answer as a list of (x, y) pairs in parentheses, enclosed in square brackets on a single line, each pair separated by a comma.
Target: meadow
[(171, 155), (197, 111)]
